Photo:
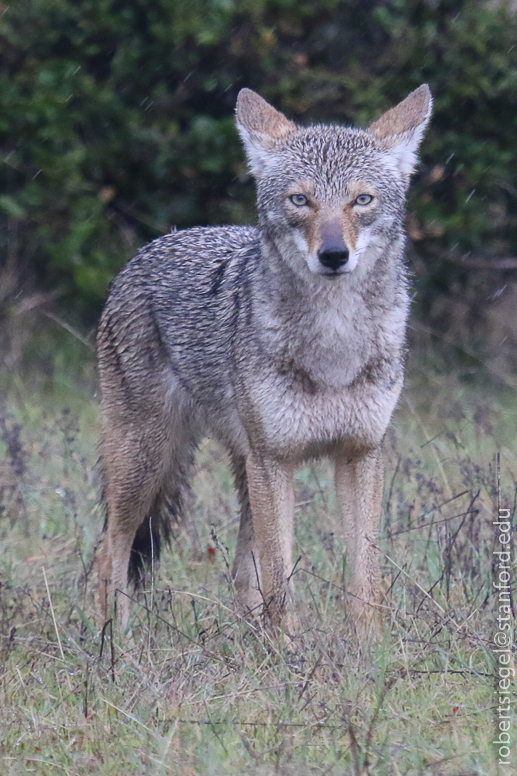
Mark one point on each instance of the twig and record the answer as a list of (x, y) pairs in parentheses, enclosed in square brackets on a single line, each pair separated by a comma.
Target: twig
[(52, 613), (507, 262), (311, 674), (433, 523), (130, 716), (420, 588), (70, 329), (436, 456)]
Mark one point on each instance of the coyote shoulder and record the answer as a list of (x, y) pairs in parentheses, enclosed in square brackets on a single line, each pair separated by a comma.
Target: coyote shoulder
[(285, 342)]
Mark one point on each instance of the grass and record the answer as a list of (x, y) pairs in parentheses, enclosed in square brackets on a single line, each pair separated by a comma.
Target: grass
[(203, 692)]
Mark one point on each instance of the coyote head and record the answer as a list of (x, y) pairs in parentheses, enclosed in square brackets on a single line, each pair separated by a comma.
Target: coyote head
[(331, 198)]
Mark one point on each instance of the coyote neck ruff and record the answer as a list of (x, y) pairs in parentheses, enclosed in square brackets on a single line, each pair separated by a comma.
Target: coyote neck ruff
[(285, 342), (333, 331)]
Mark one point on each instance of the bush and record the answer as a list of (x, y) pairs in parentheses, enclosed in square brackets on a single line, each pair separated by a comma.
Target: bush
[(116, 120)]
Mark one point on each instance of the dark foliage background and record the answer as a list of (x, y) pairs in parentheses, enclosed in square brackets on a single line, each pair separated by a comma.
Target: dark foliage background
[(116, 123)]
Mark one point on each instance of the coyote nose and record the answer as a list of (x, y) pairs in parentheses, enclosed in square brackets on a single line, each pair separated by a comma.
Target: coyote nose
[(333, 259)]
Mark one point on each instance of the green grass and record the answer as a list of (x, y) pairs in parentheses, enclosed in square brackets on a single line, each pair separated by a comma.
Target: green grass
[(203, 692)]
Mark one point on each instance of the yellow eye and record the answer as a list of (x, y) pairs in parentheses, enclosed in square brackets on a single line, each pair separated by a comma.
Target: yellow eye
[(363, 199), (299, 200)]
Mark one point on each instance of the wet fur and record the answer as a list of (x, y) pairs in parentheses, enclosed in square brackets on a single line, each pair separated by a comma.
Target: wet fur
[(238, 333)]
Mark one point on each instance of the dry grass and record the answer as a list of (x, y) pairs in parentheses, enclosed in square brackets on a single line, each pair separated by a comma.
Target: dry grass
[(202, 691)]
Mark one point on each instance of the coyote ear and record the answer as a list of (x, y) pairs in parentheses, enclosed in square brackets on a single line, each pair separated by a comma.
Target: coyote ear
[(400, 130), (261, 127)]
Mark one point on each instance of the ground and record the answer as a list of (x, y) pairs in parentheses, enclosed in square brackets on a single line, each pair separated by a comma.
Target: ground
[(200, 690)]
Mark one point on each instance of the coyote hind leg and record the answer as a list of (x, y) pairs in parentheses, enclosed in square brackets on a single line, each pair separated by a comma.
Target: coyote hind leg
[(133, 471), (246, 570), (145, 466)]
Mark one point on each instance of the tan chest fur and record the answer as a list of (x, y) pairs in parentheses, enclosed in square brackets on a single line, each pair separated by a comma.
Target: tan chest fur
[(299, 424)]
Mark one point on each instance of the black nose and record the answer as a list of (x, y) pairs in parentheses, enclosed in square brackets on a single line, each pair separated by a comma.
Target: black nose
[(333, 259)]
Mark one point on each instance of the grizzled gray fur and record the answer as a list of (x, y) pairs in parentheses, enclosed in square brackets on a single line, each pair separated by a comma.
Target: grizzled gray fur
[(285, 342)]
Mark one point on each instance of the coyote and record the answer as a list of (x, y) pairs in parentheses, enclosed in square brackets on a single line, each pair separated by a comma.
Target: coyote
[(285, 342)]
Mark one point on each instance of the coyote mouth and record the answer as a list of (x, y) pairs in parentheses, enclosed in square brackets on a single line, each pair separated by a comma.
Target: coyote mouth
[(333, 275)]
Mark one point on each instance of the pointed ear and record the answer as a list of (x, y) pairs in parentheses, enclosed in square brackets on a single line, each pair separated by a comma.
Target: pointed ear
[(261, 128), (400, 130)]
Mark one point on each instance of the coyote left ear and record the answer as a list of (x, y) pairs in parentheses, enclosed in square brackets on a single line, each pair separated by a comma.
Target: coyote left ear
[(261, 127), (399, 131)]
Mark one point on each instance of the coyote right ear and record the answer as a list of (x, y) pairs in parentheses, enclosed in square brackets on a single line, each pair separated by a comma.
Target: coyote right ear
[(399, 131), (261, 127)]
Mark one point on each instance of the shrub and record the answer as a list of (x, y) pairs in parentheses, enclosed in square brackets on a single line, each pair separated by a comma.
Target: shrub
[(116, 120)]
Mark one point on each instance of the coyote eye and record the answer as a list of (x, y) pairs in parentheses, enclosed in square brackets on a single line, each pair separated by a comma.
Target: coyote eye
[(363, 199), (299, 200)]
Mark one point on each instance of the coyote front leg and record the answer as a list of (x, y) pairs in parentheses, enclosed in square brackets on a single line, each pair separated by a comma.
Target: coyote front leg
[(359, 487), (270, 485)]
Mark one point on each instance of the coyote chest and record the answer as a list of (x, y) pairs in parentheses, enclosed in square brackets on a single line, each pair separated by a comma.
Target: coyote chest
[(311, 387), (296, 418)]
